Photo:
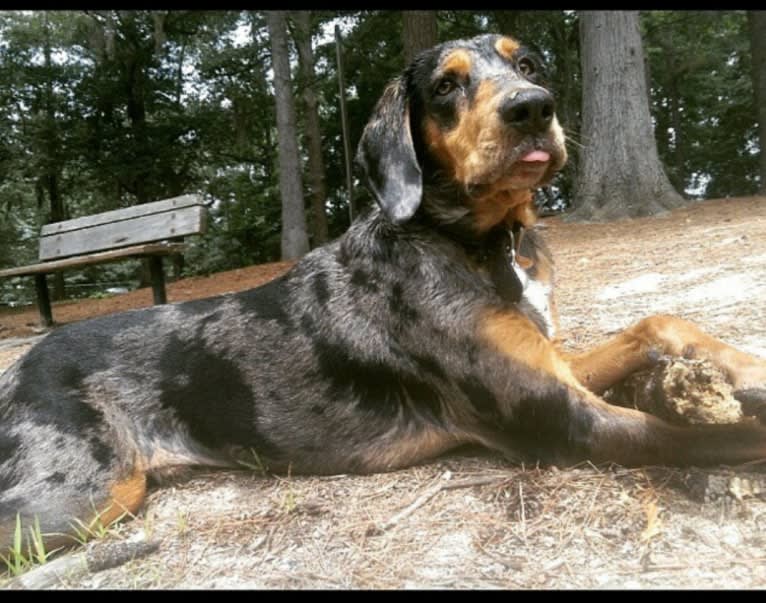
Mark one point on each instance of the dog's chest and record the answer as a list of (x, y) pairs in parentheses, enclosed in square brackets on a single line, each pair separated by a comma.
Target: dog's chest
[(536, 304), (514, 283)]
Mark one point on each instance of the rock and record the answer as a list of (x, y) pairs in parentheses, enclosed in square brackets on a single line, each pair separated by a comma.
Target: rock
[(680, 390)]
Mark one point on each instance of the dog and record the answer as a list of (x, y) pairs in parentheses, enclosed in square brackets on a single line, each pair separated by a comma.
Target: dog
[(428, 325)]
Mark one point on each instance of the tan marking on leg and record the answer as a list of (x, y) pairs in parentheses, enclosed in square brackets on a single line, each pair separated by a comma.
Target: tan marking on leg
[(404, 448), (126, 497), (629, 351), (506, 46), (515, 336), (619, 434), (600, 368)]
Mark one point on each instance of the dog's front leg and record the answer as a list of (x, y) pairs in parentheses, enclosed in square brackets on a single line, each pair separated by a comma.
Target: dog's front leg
[(639, 346), (549, 413), (599, 432)]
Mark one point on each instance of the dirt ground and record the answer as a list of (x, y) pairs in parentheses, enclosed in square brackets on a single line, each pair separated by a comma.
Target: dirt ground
[(470, 519)]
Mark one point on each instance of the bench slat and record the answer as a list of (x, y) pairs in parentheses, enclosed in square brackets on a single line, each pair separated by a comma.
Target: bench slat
[(96, 258), (175, 222), (118, 215)]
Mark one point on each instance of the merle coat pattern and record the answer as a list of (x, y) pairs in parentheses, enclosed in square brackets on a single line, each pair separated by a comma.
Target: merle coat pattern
[(429, 324)]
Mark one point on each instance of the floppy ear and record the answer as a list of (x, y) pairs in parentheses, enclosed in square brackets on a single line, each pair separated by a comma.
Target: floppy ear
[(387, 155)]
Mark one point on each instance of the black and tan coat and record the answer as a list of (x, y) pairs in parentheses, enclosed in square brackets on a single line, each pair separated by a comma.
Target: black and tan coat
[(429, 324)]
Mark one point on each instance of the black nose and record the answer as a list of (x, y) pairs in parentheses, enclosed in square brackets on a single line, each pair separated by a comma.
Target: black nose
[(529, 111)]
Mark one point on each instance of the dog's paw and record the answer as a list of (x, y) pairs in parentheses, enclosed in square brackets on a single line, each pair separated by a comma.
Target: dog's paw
[(753, 400)]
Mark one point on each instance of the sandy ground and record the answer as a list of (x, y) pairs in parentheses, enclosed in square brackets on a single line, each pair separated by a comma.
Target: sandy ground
[(471, 520)]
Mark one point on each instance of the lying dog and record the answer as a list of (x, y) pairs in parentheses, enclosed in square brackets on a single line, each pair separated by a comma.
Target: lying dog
[(428, 325)]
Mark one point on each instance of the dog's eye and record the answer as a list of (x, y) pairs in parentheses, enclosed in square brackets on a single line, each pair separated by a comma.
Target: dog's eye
[(526, 66), (444, 87)]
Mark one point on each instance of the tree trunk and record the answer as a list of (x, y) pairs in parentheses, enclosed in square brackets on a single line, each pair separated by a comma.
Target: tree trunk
[(566, 50), (134, 64), (295, 241), (757, 21), (316, 174), (620, 171), (135, 74), (159, 31), (52, 150), (419, 32)]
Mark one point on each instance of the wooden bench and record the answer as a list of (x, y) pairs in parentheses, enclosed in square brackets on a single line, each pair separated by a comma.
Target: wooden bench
[(138, 231)]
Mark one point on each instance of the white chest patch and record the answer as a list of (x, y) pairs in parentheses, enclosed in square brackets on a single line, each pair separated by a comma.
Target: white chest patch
[(535, 301)]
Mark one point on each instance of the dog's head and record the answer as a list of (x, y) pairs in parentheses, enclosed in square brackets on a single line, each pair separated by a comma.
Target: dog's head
[(470, 116)]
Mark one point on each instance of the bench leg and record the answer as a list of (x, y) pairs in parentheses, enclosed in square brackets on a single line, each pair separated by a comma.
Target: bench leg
[(43, 300), (157, 275)]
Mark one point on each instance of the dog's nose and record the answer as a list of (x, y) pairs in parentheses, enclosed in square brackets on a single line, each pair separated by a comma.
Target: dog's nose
[(529, 111)]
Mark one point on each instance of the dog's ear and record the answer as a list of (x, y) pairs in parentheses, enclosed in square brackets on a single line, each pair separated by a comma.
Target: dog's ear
[(387, 155)]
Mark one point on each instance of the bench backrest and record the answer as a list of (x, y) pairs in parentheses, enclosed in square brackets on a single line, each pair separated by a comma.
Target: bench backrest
[(147, 223)]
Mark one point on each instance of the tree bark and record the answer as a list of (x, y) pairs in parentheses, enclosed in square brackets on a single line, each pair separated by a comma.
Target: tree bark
[(566, 50), (317, 185), (50, 177), (620, 172), (133, 64), (295, 241), (419, 32), (757, 22)]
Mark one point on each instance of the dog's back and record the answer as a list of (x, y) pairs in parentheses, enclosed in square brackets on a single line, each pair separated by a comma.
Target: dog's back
[(429, 324), (359, 359)]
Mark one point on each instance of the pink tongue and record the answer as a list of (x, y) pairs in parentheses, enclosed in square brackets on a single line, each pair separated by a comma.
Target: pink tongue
[(536, 156)]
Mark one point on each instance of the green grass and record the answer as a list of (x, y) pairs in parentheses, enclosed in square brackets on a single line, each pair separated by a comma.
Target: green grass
[(182, 522), (149, 525), (18, 560), (95, 529), (257, 465)]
